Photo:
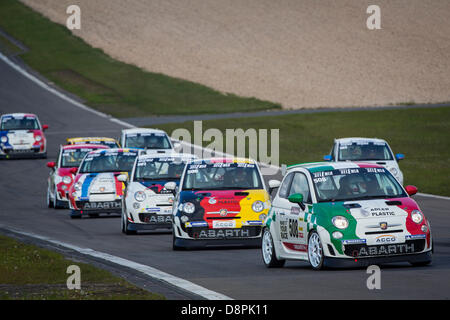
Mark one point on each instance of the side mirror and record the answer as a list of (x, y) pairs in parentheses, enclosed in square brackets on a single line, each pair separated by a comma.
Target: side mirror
[(51, 165), (411, 190), (45, 127), (177, 146), (171, 186), (297, 198), (122, 178), (399, 156), (73, 170), (273, 184), (327, 157)]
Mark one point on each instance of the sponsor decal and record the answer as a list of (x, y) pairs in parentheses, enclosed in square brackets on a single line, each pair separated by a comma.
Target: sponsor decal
[(254, 223), (296, 246), (391, 249), (102, 205), (354, 241), (379, 212), (383, 225), (295, 210), (196, 224), (386, 238), (212, 200), (222, 233), (158, 218), (415, 236), (283, 229), (224, 224)]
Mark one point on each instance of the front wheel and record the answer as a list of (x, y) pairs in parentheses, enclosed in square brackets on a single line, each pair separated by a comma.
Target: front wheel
[(49, 200), (268, 251), (125, 226), (315, 251)]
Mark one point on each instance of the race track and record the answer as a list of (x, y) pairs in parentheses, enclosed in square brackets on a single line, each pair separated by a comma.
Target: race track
[(236, 273)]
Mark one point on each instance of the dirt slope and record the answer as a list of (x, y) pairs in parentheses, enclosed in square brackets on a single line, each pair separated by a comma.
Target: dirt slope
[(300, 53)]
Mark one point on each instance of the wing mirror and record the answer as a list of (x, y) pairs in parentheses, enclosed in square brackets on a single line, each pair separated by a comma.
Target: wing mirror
[(399, 156), (73, 170), (51, 165), (44, 127), (177, 146), (273, 184), (171, 186), (297, 198), (411, 190), (327, 157), (122, 178)]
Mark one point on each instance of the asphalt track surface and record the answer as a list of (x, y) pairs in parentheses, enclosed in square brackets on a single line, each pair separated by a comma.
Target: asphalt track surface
[(236, 273)]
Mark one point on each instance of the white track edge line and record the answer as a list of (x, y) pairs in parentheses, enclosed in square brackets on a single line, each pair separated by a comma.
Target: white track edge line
[(147, 270)]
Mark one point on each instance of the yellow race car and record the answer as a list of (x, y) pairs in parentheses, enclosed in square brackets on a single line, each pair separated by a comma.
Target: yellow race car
[(105, 141)]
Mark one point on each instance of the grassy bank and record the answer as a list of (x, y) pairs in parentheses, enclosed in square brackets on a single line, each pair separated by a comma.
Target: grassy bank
[(110, 86), (421, 134), (29, 272)]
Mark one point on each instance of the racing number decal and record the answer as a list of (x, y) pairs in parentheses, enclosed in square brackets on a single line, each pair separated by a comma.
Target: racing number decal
[(293, 228)]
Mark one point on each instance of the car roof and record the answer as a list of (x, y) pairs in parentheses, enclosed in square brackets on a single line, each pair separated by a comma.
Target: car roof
[(224, 160), (17, 114), (141, 130), (91, 139), (167, 155), (358, 140), (114, 150), (328, 166), (84, 146)]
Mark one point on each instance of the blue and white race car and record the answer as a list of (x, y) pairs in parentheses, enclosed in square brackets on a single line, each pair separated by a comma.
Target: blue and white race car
[(22, 136)]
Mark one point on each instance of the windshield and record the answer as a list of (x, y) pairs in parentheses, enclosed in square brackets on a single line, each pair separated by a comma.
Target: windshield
[(109, 143), (222, 176), (159, 169), (149, 141), (19, 123), (73, 157), (364, 151), (356, 184), (108, 162)]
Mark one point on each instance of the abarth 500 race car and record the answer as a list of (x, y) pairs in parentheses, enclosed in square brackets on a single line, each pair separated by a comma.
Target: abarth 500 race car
[(345, 215), (220, 202), (22, 136), (150, 139), (105, 141), (96, 188), (63, 171), (367, 150), (147, 204)]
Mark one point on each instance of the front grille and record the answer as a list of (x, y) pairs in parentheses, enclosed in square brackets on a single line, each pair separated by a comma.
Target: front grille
[(384, 231), (363, 250)]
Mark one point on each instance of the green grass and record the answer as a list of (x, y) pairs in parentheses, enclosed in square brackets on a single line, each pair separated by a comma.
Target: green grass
[(113, 87), (422, 134), (29, 272)]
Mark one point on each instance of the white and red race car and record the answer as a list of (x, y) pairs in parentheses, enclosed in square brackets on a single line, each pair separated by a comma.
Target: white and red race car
[(22, 136), (63, 172)]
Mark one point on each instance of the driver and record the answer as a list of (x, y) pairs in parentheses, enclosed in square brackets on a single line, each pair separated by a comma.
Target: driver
[(153, 142), (241, 177)]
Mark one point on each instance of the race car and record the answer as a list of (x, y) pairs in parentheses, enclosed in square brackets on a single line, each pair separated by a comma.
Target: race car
[(96, 189), (62, 174), (22, 136), (109, 142), (150, 139), (147, 204), (369, 150), (220, 202), (345, 214)]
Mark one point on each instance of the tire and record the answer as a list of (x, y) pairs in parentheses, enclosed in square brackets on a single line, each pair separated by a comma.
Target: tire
[(49, 201), (315, 251), (125, 226), (174, 246), (75, 215), (268, 251), (56, 203)]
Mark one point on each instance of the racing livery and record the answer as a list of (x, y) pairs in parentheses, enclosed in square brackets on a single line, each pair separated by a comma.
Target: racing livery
[(145, 138), (22, 136), (62, 174), (368, 150), (220, 202), (96, 188), (345, 214), (109, 142), (147, 204)]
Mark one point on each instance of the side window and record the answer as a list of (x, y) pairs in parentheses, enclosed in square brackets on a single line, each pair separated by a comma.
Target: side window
[(284, 188), (300, 185)]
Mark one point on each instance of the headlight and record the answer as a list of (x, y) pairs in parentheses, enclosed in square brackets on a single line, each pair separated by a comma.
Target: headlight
[(77, 186), (416, 216), (262, 217), (38, 138), (189, 207), (67, 179), (258, 206), (340, 222), (4, 139), (139, 196)]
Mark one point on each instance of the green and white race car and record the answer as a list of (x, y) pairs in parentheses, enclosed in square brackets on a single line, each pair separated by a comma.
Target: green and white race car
[(344, 215)]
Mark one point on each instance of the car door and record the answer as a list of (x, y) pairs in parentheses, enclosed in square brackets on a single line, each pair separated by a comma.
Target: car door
[(296, 214), (280, 207)]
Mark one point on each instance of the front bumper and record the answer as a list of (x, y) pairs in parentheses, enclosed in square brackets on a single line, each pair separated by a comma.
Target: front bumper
[(87, 207), (364, 262), (214, 243), (148, 226), (33, 153)]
